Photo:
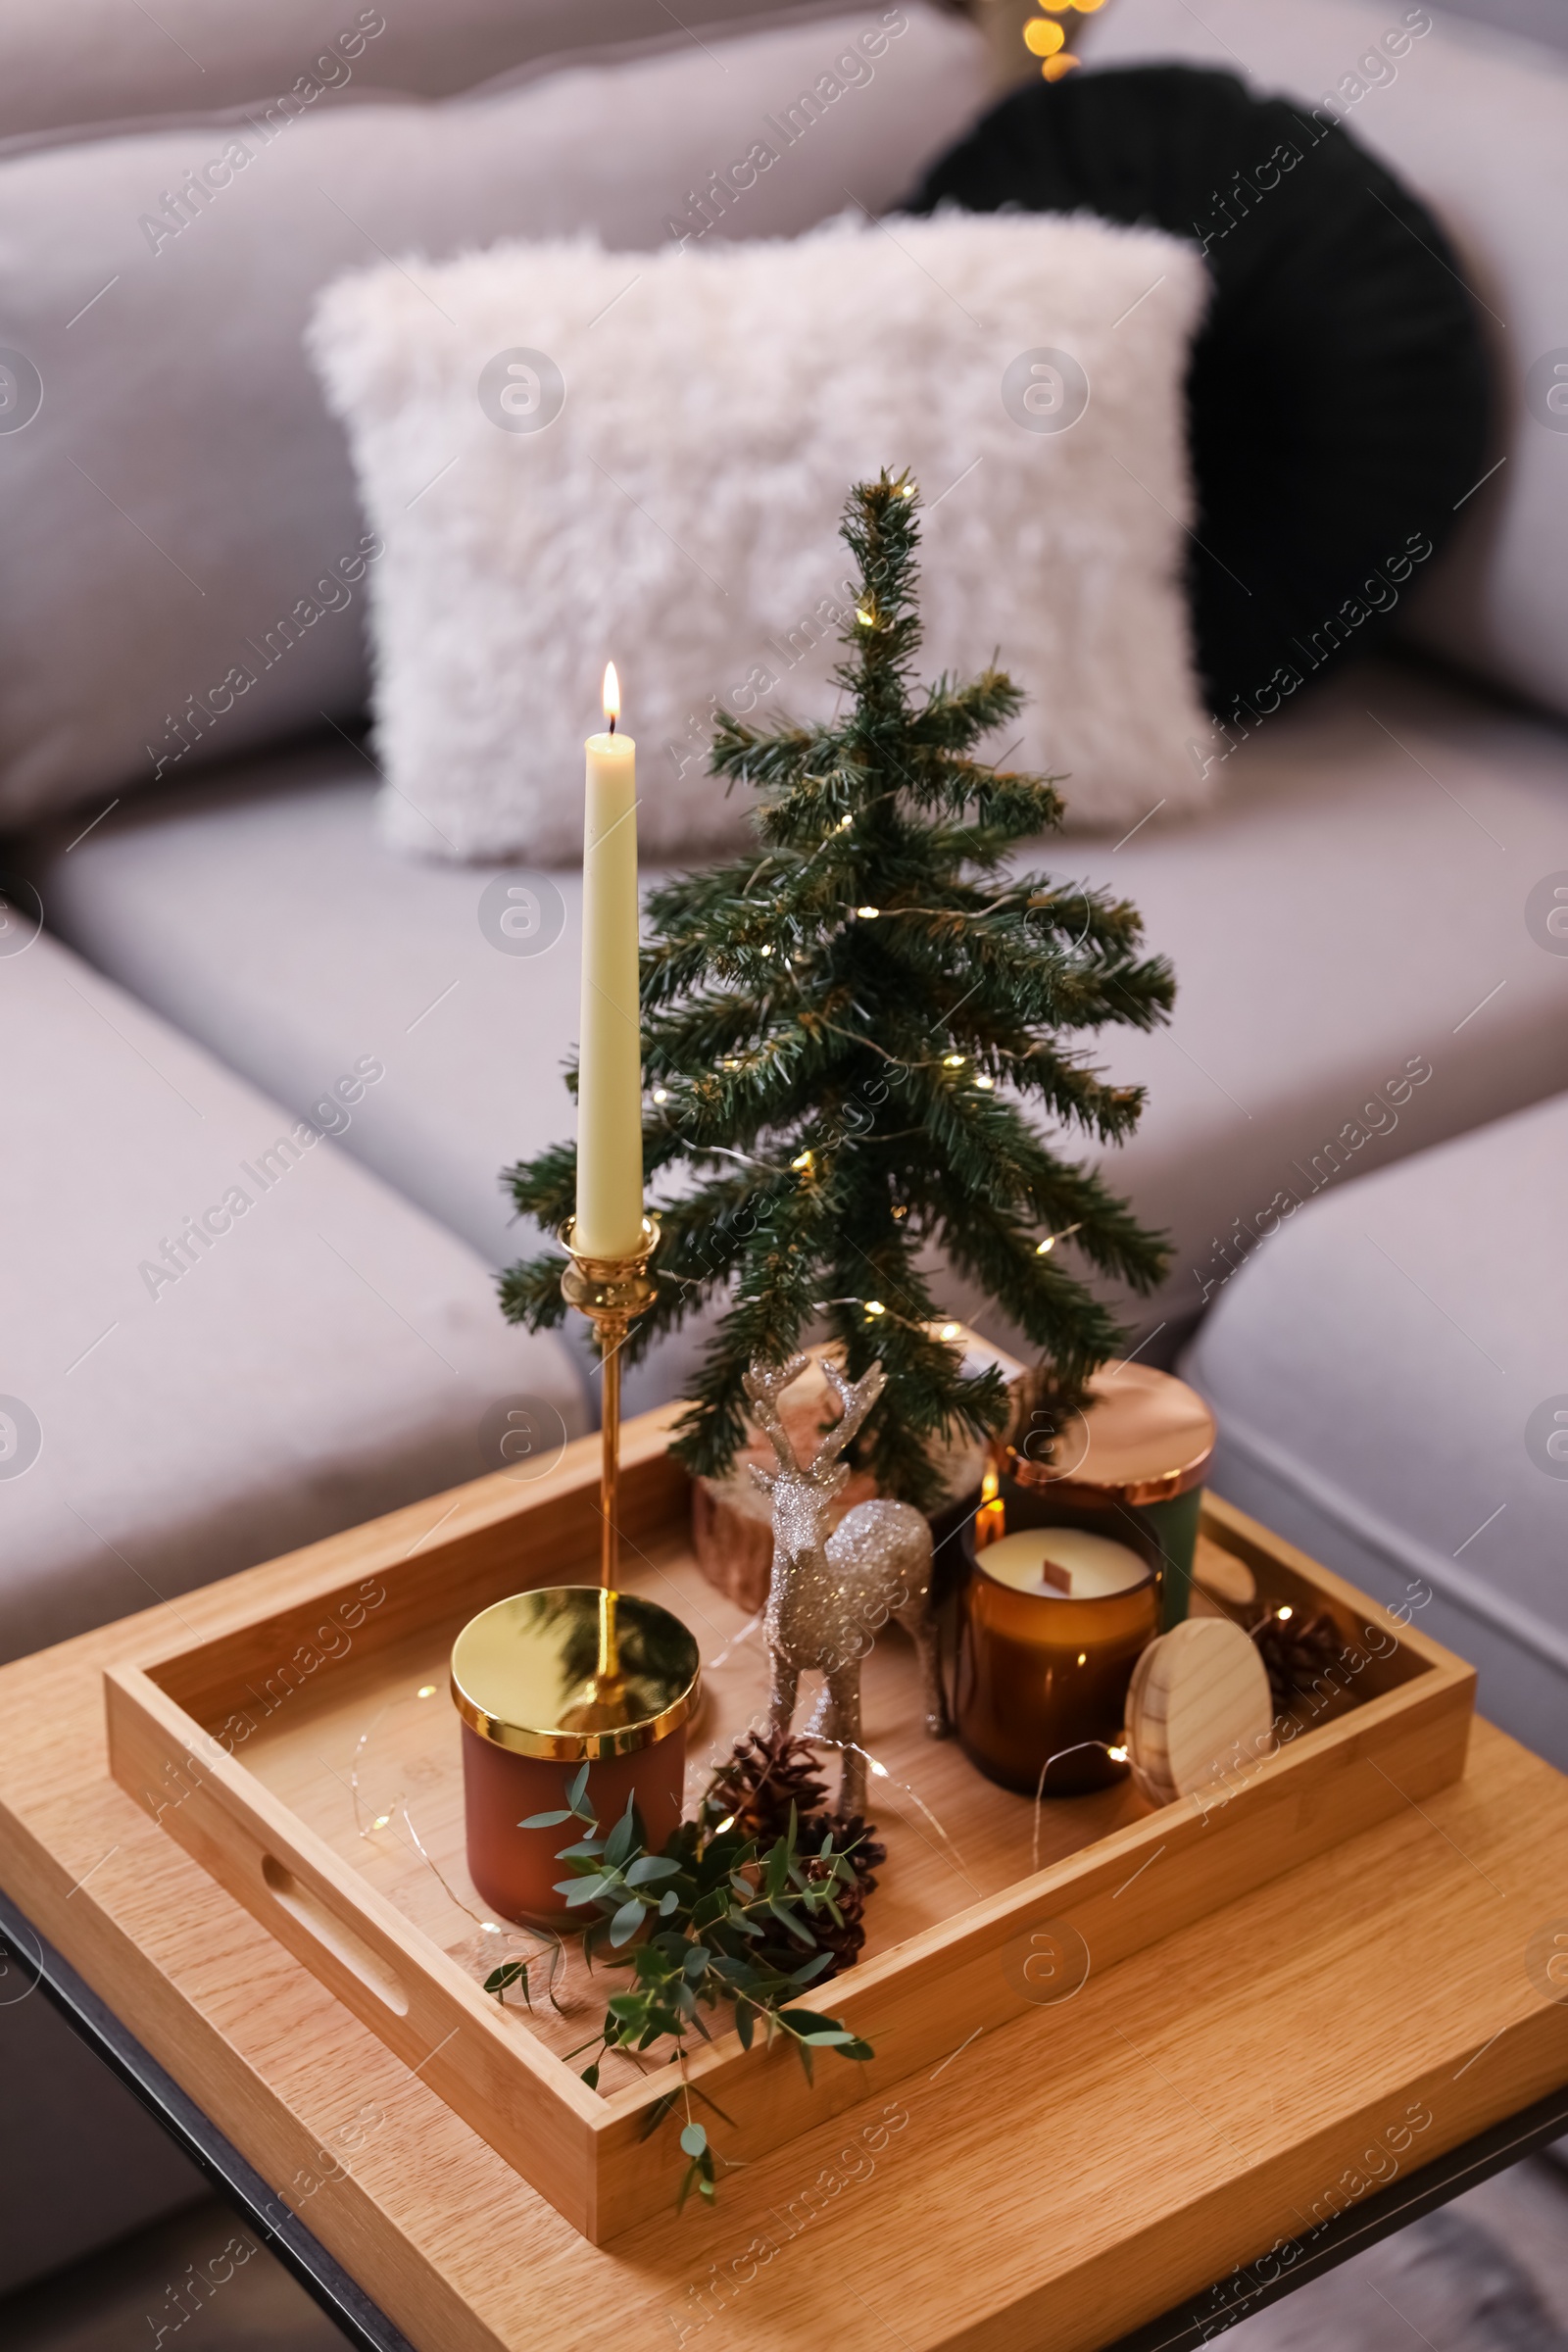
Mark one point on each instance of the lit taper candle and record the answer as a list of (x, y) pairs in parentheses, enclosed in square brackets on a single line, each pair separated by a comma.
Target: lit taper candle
[(610, 1096)]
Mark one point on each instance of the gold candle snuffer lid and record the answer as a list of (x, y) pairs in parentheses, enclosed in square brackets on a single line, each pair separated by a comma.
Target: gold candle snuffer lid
[(1144, 1437), (572, 1672)]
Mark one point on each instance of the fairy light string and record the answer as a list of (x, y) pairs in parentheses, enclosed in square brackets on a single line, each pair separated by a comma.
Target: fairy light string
[(1043, 37)]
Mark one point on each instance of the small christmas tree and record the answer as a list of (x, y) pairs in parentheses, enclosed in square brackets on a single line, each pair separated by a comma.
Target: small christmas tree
[(841, 1035)]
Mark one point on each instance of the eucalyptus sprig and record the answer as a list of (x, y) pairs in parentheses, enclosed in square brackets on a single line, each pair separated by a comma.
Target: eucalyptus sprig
[(729, 1918)]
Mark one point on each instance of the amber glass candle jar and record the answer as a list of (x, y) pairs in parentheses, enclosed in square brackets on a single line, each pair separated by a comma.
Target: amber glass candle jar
[(545, 1683), (1047, 1652)]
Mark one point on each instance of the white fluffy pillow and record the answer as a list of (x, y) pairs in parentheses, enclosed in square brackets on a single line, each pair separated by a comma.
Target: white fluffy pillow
[(661, 483)]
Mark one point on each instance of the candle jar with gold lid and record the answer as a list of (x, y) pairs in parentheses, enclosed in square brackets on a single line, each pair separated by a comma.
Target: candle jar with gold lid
[(546, 1682), (1127, 1463)]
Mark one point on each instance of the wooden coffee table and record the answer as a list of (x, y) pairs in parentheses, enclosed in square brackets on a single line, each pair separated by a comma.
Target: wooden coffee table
[(1242, 2103)]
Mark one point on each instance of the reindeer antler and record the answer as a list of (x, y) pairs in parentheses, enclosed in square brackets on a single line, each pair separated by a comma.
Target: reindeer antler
[(764, 1385), (856, 1398)]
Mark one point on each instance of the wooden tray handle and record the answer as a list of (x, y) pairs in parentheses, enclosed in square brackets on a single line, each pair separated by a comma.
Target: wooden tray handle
[(348, 1949)]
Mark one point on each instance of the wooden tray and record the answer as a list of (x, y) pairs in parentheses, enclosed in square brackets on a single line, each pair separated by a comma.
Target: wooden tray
[(310, 1762)]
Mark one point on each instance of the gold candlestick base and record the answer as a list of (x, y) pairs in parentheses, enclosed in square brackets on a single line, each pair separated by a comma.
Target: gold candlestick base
[(612, 1292)]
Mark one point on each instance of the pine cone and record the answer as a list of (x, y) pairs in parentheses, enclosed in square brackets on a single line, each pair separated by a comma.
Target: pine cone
[(847, 1941), (762, 1778), (844, 1942), (756, 1787), (868, 1856), (1298, 1653)]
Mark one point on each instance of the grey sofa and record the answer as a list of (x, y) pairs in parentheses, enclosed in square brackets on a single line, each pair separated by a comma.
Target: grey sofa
[(222, 984)]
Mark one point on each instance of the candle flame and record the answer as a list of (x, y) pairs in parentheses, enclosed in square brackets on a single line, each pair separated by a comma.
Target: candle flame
[(611, 695)]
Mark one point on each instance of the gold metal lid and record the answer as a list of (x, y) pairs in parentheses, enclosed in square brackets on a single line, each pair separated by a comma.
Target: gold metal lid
[(572, 1672), (1145, 1437)]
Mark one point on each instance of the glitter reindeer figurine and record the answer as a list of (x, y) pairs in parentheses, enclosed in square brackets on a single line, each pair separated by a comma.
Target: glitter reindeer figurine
[(830, 1594)]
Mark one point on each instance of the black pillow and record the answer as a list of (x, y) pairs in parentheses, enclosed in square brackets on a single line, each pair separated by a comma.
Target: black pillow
[(1338, 396)]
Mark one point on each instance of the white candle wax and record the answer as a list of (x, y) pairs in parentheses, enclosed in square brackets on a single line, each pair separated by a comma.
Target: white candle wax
[(1081, 1566), (610, 1084)]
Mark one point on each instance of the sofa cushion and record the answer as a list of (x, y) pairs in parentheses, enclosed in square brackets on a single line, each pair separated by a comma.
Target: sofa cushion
[(1352, 915), (103, 62), (171, 479), (1477, 123), (1363, 909), (1392, 1387), (1339, 391), (681, 508), (223, 1337)]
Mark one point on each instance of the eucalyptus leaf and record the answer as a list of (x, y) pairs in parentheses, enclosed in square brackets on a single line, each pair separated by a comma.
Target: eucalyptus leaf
[(626, 1921), (694, 2140), (510, 1972), (656, 2114), (648, 1868), (618, 1845)]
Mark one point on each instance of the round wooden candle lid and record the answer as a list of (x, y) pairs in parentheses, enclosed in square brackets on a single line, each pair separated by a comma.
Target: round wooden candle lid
[(1198, 1695)]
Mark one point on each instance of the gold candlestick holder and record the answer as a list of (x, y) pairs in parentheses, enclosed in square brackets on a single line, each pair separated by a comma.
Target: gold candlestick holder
[(612, 1292)]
